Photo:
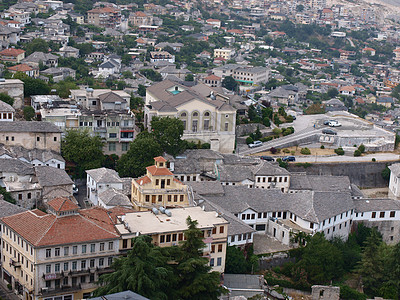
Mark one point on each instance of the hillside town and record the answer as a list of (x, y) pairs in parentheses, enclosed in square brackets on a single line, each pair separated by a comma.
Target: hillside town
[(167, 149)]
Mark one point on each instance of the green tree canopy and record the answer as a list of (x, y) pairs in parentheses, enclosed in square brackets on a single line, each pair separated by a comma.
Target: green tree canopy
[(230, 83), (29, 113), (86, 151), (37, 45), (33, 86), (6, 98), (168, 132)]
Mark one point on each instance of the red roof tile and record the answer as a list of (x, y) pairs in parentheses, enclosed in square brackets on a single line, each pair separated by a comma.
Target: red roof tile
[(143, 180), (160, 159), (11, 52), (20, 68), (158, 171), (62, 204)]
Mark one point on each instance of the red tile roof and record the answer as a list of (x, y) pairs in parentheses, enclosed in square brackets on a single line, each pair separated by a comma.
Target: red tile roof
[(11, 52), (143, 180), (62, 204), (160, 159), (212, 77), (158, 171), (47, 229), (20, 68)]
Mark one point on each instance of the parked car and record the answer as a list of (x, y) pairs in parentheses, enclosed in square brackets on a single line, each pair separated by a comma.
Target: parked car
[(329, 131), (334, 124), (267, 158), (75, 189), (326, 122), (255, 144), (289, 158)]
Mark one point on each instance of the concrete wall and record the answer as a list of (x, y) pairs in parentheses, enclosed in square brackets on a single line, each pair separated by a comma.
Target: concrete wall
[(362, 174)]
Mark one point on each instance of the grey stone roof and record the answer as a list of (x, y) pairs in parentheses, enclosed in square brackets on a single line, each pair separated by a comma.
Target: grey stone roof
[(233, 159), (39, 56), (111, 97), (113, 197), (126, 295), (235, 226), (320, 183), (5, 107), (49, 176), (368, 205), (207, 188), (235, 173), (29, 126), (9, 209), (13, 165), (30, 154), (105, 175), (311, 206), (266, 168), (395, 169)]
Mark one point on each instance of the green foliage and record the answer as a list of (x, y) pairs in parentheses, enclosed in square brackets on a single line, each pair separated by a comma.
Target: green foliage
[(397, 141), (282, 164), (168, 133), (322, 147), (135, 102), (305, 151), (36, 45), (361, 148), (332, 92), (151, 74), (140, 155), (357, 153), (230, 83), (85, 48), (348, 293), (249, 140), (373, 159), (287, 131), (386, 173), (315, 109), (110, 161), (32, 86), (29, 113), (79, 147), (64, 87), (277, 121), (277, 131), (339, 151), (142, 90), (6, 98), (7, 195), (189, 77), (266, 122)]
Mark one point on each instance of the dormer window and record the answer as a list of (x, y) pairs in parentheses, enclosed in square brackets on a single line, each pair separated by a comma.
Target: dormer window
[(161, 164)]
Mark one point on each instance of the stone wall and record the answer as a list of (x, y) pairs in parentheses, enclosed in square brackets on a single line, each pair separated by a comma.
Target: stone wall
[(362, 174)]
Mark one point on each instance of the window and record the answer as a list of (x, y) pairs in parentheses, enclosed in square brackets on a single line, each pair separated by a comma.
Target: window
[(74, 265), (48, 268), (57, 268), (220, 248), (392, 214), (66, 251), (373, 215), (124, 244), (92, 261), (110, 245), (382, 214), (221, 229), (83, 248), (75, 250), (168, 238), (101, 246), (48, 252), (111, 146), (175, 198), (125, 146), (83, 279), (29, 195), (65, 281), (147, 198), (162, 239), (194, 125), (180, 237), (183, 114), (112, 135), (212, 262), (92, 248), (94, 102), (219, 261), (55, 139), (101, 262), (83, 264), (38, 138), (232, 238), (226, 126), (195, 114), (206, 124), (66, 266)]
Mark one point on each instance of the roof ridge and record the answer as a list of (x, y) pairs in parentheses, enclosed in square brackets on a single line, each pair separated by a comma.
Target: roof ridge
[(88, 218), (46, 231)]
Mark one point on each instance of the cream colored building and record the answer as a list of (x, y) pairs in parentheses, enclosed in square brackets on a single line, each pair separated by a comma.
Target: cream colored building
[(159, 188), (206, 114), (58, 255), (167, 229), (31, 135), (224, 53)]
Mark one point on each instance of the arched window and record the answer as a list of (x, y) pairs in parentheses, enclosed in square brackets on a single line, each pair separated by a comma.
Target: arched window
[(206, 114), (195, 114), (183, 114)]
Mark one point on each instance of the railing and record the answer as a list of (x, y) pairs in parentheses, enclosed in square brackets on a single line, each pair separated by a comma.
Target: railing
[(161, 191), (99, 129)]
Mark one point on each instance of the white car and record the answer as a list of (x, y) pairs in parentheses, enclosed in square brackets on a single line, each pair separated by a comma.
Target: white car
[(255, 144), (334, 124)]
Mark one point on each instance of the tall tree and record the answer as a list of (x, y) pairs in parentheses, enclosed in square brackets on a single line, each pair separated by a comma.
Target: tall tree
[(168, 132), (195, 279), (139, 156), (6, 98), (144, 271), (230, 83), (79, 147)]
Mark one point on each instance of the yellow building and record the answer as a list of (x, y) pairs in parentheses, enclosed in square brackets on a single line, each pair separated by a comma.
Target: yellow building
[(159, 188), (167, 229)]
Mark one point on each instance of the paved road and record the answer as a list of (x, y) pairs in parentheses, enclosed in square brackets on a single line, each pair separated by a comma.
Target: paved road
[(345, 158)]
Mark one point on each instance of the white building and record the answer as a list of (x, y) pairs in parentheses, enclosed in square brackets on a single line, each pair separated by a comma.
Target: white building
[(100, 180)]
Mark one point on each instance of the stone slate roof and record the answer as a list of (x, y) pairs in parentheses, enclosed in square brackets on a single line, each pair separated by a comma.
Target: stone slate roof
[(5, 107), (29, 126), (104, 175), (9, 209), (309, 205), (39, 56), (322, 183), (235, 173), (30, 154), (395, 169), (113, 197), (266, 168), (367, 205), (235, 226), (49, 176), (127, 295), (111, 97), (13, 165)]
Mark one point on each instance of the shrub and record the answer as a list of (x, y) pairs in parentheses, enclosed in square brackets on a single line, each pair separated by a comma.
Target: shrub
[(286, 150), (249, 140), (322, 147), (282, 164), (305, 151), (266, 139), (292, 152), (349, 293), (266, 122), (357, 153), (373, 159), (277, 131), (205, 146), (339, 151), (273, 150), (361, 148)]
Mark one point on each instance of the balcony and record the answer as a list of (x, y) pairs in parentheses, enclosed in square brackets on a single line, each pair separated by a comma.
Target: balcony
[(62, 289), (14, 263), (100, 129), (103, 271), (79, 272), (161, 191)]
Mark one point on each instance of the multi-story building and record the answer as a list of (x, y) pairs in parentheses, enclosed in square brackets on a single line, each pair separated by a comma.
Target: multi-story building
[(159, 188), (57, 255), (12, 55), (224, 53), (245, 75), (206, 114), (6, 112), (167, 229), (31, 135), (104, 17), (156, 56), (13, 88), (140, 18)]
